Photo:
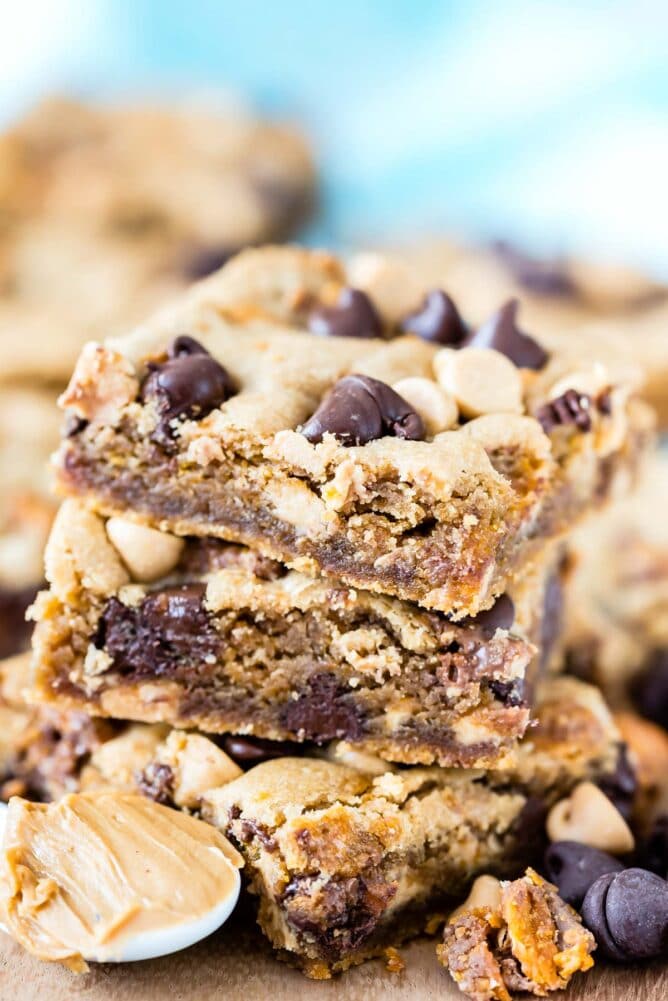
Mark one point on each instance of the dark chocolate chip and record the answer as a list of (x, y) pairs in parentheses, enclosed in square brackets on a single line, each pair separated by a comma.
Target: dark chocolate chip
[(157, 782), (573, 867), (359, 409), (622, 785), (569, 408), (649, 689), (502, 334), (14, 630), (326, 711), (581, 661), (202, 261), (636, 911), (353, 316), (500, 616), (510, 693), (73, 425), (628, 914), (594, 918), (436, 320), (652, 851), (552, 622), (189, 384), (249, 751), (168, 629), (543, 277)]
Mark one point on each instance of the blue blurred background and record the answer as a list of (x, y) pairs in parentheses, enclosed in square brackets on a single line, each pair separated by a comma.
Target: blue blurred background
[(540, 121)]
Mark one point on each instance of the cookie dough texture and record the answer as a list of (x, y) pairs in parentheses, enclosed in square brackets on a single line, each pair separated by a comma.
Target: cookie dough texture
[(83, 876), (345, 861), (445, 522), (230, 642), (107, 210)]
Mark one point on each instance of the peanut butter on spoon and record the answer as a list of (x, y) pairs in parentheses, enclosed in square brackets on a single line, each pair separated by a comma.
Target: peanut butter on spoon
[(112, 876)]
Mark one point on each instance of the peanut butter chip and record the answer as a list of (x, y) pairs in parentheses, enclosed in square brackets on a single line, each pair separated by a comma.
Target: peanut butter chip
[(436, 407), (147, 553), (481, 380), (588, 816)]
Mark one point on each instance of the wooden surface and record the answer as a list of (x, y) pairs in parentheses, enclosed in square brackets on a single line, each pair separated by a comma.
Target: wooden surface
[(234, 967)]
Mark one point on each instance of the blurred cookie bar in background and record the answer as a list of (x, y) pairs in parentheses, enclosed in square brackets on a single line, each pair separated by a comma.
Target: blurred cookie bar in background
[(104, 211), (617, 599), (29, 423)]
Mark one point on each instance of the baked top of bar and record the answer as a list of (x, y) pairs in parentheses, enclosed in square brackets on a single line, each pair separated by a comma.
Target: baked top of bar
[(107, 210), (561, 295), (316, 428), (557, 291)]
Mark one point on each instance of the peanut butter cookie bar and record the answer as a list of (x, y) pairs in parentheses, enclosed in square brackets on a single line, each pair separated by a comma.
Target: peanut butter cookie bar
[(617, 603), (107, 210), (143, 625), (29, 431), (345, 861), (559, 295), (431, 471)]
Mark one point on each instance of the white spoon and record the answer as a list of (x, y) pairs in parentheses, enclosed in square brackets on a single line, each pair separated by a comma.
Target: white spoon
[(161, 942)]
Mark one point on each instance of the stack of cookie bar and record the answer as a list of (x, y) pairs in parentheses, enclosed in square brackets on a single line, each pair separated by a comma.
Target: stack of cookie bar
[(103, 213), (325, 529)]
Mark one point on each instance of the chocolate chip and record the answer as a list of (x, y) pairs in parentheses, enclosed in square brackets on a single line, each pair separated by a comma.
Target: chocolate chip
[(569, 408), (14, 630), (168, 630), (544, 277), (157, 782), (189, 384), (500, 616), (628, 914), (325, 711), (649, 689), (510, 693), (249, 751), (203, 261), (622, 785), (553, 613), (73, 425), (353, 316), (436, 320), (502, 334), (652, 851), (359, 409), (594, 918), (573, 867)]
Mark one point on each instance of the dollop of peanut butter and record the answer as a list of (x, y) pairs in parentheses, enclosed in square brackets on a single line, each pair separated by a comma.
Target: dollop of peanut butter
[(82, 876)]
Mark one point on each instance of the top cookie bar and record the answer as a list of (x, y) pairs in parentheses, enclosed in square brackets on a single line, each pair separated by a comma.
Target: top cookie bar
[(106, 211), (558, 294), (429, 465)]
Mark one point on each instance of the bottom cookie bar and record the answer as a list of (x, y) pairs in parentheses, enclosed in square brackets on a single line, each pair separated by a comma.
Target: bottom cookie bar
[(346, 862)]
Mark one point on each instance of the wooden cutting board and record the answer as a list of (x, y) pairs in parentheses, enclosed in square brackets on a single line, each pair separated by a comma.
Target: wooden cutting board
[(237, 965)]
